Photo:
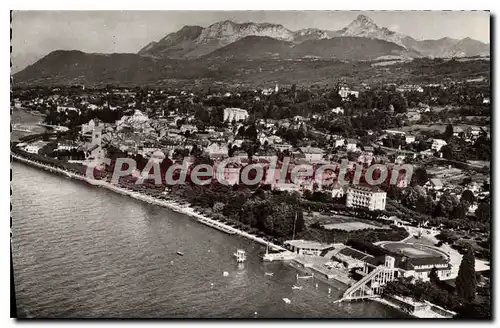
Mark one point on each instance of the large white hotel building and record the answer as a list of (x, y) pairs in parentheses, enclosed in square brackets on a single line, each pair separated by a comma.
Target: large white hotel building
[(370, 197)]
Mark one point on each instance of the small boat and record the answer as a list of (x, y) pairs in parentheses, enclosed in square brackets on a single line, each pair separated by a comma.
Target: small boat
[(225, 273), (287, 300), (240, 255), (297, 287), (304, 277), (180, 253), (268, 273)]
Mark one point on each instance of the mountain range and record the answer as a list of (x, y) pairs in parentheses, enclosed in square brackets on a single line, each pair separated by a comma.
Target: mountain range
[(196, 42), (200, 49)]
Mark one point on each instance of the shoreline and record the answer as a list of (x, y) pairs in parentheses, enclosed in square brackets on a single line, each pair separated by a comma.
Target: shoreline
[(170, 204), (190, 212), (387, 303)]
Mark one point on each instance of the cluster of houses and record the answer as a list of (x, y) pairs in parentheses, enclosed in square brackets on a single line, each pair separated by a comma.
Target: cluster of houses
[(435, 145), (163, 136)]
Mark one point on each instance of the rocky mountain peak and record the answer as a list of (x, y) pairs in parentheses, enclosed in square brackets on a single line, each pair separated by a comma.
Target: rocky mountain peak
[(227, 31), (364, 26), (363, 20)]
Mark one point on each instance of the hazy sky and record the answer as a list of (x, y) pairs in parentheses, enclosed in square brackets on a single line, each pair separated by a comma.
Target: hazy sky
[(36, 33)]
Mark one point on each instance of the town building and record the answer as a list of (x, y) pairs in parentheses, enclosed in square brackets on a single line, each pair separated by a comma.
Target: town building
[(437, 144), (395, 132), (67, 145), (434, 184), (473, 131), (274, 140), (345, 92), (365, 196), (188, 127), (34, 147), (351, 144), (217, 150), (158, 156), (338, 190), (95, 149), (409, 139), (474, 187), (409, 88), (312, 154), (290, 187), (230, 173), (365, 158), (413, 116), (420, 268), (283, 146), (337, 110), (305, 247), (457, 130), (90, 125), (67, 108), (235, 114), (338, 141)]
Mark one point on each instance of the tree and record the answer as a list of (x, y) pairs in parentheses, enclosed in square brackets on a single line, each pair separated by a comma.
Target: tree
[(218, 207), (420, 176), (483, 212), (448, 133), (468, 197), (433, 276), (307, 194), (446, 204), (459, 211), (411, 197), (466, 279), (251, 132)]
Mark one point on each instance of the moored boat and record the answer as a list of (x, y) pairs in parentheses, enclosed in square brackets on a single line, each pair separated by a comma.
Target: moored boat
[(240, 255)]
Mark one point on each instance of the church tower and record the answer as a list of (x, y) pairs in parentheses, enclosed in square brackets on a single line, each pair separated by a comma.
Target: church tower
[(96, 146)]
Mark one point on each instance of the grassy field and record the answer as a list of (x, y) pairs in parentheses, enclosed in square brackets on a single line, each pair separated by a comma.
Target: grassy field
[(341, 222), (351, 226)]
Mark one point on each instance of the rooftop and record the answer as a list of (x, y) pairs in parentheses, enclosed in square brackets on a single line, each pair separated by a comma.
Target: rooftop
[(355, 254), (311, 150), (299, 243), (366, 188), (436, 182)]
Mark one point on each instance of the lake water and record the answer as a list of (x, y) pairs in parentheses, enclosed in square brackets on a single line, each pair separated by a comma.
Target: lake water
[(81, 251)]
